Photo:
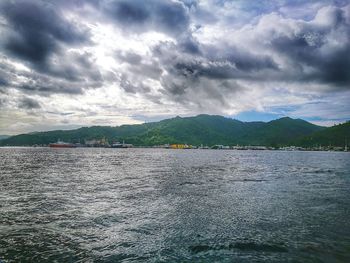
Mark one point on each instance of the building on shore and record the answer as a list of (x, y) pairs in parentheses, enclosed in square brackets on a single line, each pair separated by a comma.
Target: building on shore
[(181, 146), (97, 143)]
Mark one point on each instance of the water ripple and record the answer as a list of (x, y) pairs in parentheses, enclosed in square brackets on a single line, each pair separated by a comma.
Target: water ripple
[(155, 205)]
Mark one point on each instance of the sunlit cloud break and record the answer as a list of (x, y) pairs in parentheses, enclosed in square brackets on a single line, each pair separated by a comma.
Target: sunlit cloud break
[(66, 64)]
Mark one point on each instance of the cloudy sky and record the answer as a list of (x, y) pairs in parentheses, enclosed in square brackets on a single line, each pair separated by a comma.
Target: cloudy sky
[(71, 63)]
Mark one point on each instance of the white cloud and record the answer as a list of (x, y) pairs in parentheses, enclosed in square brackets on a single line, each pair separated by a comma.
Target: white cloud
[(224, 58)]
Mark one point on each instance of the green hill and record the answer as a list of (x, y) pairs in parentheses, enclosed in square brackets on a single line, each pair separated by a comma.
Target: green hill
[(337, 135), (77, 135), (279, 132), (202, 129)]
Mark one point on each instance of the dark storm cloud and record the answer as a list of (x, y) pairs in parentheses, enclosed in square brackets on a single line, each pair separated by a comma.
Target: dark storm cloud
[(201, 93), (70, 74), (316, 51), (211, 75), (226, 62), (314, 47), (2, 102), (190, 45), (149, 68), (329, 68), (129, 12), (29, 104), (38, 35), (197, 64), (131, 87), (75, 67), (166, 16), (203, 79), (47, 88), (36, 30), (248, 62), (7, 75), (31, 83), (3, 80), (227, 68)]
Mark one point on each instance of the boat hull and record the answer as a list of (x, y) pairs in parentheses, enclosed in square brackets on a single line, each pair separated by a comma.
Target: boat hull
[(55, 145)]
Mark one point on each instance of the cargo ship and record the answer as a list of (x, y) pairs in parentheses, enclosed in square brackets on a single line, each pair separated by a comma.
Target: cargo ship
[(60, 144)]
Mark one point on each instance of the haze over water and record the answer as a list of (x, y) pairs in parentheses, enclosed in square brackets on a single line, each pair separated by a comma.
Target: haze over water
[(157, 205)]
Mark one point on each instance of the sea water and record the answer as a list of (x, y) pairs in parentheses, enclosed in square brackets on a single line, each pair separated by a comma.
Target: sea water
[(159, 205)]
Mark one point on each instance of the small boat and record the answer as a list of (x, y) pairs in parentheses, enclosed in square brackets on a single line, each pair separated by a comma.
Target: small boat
[(117, 145), (60, 144), (121, 145)]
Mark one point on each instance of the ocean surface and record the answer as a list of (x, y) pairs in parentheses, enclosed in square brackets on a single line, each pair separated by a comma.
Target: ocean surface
[(158, 205)]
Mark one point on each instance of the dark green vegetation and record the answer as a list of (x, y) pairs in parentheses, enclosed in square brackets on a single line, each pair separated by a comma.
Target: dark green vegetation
[(202, 129), (338, 135)]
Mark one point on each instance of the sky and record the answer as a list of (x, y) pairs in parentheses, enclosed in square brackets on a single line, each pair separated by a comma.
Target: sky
[(71, 63)]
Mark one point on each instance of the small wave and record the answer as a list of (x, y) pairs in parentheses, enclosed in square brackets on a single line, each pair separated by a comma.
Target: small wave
[(142, 231), (258, 247), (249, 246), (122, 257), (319, 171), (188, 183), (107, 220), (201, 248), (249, 180), (116, 163)]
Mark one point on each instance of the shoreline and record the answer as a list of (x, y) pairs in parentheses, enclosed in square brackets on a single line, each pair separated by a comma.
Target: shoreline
[(150, 147)]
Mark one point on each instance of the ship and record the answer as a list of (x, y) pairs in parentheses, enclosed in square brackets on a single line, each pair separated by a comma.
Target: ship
[(60, 144)]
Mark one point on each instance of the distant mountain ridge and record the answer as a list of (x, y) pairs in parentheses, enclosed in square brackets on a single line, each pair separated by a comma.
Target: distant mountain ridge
[(338, 135), (3, 137), (202, 129)]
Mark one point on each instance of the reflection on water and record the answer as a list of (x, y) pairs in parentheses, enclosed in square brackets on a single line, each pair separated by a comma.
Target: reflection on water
[(155, 205)]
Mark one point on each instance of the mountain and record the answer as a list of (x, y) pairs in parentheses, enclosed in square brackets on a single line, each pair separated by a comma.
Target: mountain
[(3, 137), (280, 132), (211, 130), (337, 135), (202, 129)]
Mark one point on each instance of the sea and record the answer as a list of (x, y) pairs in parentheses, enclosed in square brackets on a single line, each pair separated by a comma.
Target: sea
[(163, 205)]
